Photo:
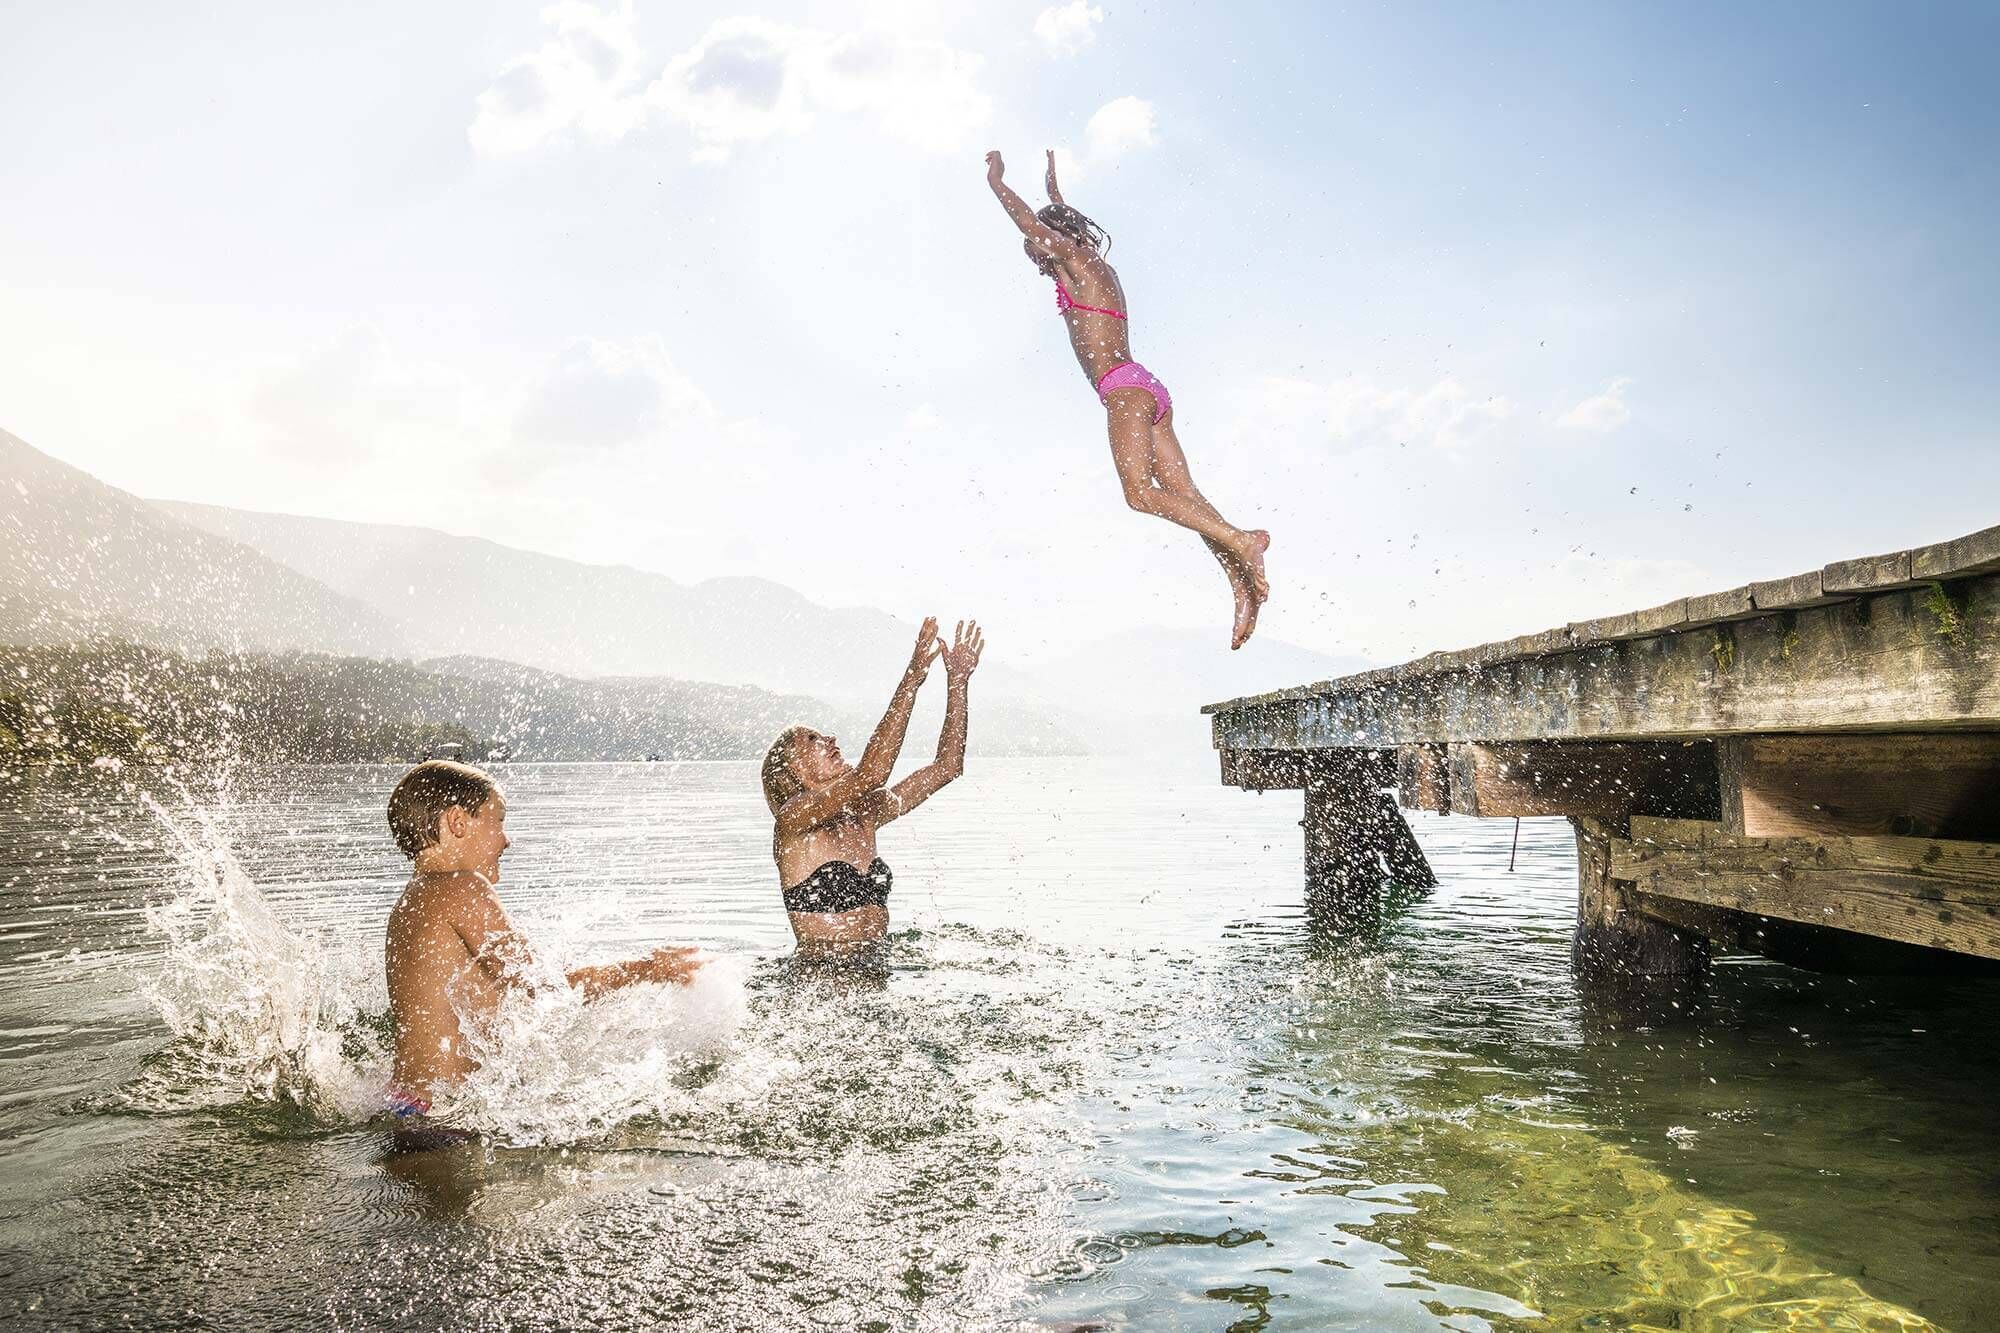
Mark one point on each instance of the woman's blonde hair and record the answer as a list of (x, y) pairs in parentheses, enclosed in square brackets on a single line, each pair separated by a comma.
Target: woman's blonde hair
[(781, 780)]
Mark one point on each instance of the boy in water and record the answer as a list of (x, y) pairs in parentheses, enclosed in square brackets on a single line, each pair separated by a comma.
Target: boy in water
[(451, 949)]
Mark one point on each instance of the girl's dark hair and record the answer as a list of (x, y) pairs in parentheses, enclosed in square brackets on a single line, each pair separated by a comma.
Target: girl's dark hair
[(1075, 226)]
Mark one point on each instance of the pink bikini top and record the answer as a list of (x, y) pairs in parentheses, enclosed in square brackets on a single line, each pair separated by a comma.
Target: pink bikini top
[(1065, 304)]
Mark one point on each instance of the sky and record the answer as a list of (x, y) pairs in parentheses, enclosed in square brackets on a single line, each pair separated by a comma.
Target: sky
[(1495, 316)]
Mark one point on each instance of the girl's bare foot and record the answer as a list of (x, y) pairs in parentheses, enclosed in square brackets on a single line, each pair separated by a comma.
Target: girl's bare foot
[(1245, 624), (1245, 619), (1256, 542)]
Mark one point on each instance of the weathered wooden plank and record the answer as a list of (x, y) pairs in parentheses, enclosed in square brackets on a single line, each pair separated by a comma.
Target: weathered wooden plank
[(1938, 785), (1279, 769), (1726, 931), (1976, 553), (1868, 573), (1292, 770), (1708, 608), (1788, 594), (1607, 780), (1264, 770), (1879, 662), (1630, 625), (1941, 894), (1654, 619), (1421, 778), (1965, 862)]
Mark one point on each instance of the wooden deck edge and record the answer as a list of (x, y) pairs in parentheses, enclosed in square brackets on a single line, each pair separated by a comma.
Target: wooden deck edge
[(1962, 557)]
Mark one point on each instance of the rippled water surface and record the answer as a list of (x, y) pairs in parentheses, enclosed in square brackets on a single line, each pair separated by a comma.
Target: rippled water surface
[(1113, 1075)]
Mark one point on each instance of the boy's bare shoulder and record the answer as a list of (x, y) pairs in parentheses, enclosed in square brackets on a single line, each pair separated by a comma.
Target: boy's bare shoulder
[(428, 894)]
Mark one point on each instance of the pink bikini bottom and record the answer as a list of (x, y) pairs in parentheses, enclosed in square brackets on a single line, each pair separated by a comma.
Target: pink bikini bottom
[(1132, 375)]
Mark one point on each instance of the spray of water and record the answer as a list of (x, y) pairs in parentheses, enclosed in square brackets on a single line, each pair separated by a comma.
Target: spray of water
[(254, 1009), (263, 1012)]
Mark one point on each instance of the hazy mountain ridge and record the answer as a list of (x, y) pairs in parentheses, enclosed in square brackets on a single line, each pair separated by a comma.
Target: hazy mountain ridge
[(127, 701), (1135, 690), (82, 560), (467, 597), (78, 557), (470, 596)]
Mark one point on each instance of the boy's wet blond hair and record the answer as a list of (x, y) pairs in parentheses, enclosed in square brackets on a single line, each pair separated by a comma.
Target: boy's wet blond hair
[(426, 792)]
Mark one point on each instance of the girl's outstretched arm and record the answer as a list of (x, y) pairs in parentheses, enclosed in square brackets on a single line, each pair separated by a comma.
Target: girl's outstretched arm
[(1024, 217), (959, 660), (809, 810), (1055, 191)]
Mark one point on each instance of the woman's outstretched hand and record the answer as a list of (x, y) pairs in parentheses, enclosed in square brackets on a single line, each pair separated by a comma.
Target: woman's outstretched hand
[(927, 651), (995, 168), (1055, 191), (963, 655)]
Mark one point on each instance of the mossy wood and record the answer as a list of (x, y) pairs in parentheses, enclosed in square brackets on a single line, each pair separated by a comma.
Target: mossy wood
[(1940, 893), (1888, 661)]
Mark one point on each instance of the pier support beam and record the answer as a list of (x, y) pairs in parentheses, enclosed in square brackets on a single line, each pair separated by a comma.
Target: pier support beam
[(1357, 846), (1616, 947)]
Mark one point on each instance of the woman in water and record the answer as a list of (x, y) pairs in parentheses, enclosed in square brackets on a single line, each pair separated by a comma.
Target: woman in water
[(1068, 247), (828, 811)]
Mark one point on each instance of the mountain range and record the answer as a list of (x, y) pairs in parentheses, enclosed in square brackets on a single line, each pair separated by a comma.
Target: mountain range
[(79, 558)]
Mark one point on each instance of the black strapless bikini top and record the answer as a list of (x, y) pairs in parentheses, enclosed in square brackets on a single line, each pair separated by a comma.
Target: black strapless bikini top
[(838, 887)]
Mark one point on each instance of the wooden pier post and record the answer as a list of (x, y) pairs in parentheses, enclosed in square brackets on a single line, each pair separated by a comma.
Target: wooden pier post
[(1343, 876), (1615, 946), (1357, 845)]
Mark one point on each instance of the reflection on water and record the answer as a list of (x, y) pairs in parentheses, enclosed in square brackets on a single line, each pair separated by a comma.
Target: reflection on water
[(1105, 1073)]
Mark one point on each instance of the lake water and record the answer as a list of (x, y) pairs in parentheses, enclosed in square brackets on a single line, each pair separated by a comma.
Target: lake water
[(1113, 1076)]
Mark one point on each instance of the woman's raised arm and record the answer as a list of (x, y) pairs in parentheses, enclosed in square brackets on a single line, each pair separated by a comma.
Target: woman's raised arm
[(878, 758), (967, 643), (1055, 191)]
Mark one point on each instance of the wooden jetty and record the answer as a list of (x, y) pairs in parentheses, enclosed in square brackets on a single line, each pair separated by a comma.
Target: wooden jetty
[(1805, 767)]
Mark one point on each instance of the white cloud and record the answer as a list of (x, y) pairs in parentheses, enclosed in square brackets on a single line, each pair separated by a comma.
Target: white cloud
[(602, 393), (585, 78), (747, 79), (1069, 168), (354, 397), (1355, 414), (1065, 30), (1120, 126), (1600, 413)]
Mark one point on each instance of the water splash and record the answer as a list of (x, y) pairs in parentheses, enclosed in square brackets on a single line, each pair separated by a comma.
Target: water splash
[(266, 1014), (256, 1012), (556, 1069)]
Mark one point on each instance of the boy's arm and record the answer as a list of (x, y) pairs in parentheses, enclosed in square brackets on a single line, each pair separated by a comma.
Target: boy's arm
[(497, 949), (670, 964), (502, 952)]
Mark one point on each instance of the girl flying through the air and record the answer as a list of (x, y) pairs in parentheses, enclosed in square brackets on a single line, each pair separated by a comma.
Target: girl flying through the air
[(1068, 247)]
